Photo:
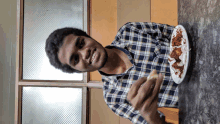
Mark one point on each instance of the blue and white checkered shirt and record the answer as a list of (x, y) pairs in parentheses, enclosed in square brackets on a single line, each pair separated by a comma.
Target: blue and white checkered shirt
[(147, 47)]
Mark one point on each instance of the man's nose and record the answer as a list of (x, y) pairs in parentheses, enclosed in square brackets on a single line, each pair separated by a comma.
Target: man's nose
[(85, 54)]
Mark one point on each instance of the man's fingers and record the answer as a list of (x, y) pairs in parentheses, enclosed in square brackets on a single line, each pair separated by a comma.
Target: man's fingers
[(151, 80), (135, 87), (154, 101), (144, 93), (147, 94), (154, 93), (149, 104), (148, 87), (157, 85)]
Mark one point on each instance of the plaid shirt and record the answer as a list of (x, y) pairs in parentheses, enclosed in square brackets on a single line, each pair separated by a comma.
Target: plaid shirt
[(147, 47)]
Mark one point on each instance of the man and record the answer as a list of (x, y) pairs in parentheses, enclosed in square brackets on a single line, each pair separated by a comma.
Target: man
[(138, 49)]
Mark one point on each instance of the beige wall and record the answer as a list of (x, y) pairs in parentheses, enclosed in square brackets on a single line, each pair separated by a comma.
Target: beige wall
[(164, 11), (99, 111), (103, 28), (132, 11), (7, 60), (103, 24), (159, 11), (107, 16)]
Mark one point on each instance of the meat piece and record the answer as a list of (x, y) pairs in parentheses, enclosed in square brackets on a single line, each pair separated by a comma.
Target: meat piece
[(180, 68), (176, 53), (176, 41)]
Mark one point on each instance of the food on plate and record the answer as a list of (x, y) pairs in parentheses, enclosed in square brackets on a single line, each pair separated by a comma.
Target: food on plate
[(183, 56), (180, 68), (178, 53), (176, 41)]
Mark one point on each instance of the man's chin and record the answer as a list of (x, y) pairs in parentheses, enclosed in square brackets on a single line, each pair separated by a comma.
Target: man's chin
[(102, 65), (105, 60)]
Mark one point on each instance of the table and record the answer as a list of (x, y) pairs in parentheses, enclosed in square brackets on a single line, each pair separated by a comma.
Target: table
[(199, 94)]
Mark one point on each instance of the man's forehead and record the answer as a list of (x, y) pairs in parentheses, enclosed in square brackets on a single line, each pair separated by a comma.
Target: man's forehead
[(65, 49), (61, 55), (68, 38)]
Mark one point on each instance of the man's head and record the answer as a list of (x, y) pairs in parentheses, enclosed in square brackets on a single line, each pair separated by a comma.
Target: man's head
[(72, 50)]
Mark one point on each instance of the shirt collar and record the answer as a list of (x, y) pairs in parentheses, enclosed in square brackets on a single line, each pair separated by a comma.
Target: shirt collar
[(127, 53)]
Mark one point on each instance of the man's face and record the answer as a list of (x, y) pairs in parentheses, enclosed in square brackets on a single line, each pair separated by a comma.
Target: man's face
[(82, 53)]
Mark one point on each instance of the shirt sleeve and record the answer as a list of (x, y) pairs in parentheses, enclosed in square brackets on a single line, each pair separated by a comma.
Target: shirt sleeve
[(159, 34), (126, 111), (162, 32), (156, 32), (117, 102)]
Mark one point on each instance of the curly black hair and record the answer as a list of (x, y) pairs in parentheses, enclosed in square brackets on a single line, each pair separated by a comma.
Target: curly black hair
[(55, 41)]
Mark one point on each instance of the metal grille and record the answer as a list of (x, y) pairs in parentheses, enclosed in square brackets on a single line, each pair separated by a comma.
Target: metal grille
[(42, 17), (51, 105)]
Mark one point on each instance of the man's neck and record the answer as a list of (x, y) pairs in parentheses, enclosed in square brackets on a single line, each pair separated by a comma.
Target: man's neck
[(116, 63)]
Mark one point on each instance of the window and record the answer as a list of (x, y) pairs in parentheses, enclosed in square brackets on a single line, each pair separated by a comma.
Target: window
[(51, 105), (39, 86), (42, 17)]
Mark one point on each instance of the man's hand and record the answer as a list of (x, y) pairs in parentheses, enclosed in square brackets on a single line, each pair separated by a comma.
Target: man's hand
[(144, 98)]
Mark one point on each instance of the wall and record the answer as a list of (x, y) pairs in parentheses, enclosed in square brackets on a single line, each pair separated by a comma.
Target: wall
[(107, 16), (103, 24), (103, 28), (166, 12), (132, 11), (99, 111), (7, 60)]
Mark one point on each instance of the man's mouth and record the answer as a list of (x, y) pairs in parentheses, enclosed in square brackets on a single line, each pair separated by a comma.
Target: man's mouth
[(93, 56)]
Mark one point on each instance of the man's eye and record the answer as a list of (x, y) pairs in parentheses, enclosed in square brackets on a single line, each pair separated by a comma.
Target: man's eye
[(81, 43), (76, 59)]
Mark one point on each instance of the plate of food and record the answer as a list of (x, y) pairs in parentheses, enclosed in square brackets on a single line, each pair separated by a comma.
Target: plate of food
[(179, 56)]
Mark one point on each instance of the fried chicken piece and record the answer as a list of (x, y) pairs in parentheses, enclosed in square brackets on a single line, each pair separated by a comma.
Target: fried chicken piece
[(176, 41), (176, 53), (176, 66)]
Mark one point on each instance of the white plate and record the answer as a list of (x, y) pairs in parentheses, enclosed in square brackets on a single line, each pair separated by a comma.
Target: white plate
[(176, 78)]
